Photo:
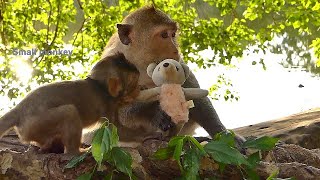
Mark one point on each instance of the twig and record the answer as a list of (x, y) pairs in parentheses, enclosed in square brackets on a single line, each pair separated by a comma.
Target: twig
[(49, 20), (57, 26), (80, 4), (80, 29), (25, 20)]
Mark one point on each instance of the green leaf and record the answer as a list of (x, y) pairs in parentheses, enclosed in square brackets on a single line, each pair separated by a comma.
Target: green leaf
[(227, 136), (163, 153), (196, 143), (109, 176), (264, 143), (273, 175), (224, 153), (296, 24), (177, 143), (254, 159), (114, 138), (100, 144), (86, 176), (121, 160), (252, 174), (175, 140), (178, 152), (75, 160), (222, 166), (191, 164)]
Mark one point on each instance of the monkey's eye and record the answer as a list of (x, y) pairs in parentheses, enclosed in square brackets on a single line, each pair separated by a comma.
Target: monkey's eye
[(173, 34), (177, 68), (164, 34)]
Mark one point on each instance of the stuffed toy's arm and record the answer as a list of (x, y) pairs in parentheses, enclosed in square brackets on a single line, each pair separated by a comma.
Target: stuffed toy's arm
[(194, 93), (149, 95)]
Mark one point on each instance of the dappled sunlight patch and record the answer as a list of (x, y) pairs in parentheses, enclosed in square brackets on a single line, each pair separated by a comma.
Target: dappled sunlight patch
[(22, 69)]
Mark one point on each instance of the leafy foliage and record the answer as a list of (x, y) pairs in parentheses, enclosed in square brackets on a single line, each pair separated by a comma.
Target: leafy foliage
[(224, 153), (104, 149), (188, 153), (227, 27), (76, 160), (264, 143)]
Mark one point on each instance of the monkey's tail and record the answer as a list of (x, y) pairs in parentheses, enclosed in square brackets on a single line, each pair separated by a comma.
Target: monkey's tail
[(7, 121)]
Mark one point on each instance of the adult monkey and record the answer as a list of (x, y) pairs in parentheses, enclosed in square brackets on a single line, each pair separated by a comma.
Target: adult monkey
[(148, 35)]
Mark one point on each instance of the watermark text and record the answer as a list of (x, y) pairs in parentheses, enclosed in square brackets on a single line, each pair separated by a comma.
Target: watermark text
[(34, 52)]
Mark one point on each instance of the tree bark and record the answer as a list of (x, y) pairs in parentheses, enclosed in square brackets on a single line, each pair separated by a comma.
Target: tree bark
[(18, 161)]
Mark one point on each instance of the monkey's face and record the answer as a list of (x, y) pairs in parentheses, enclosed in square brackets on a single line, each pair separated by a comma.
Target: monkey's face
[(163, 44), (153, 45)]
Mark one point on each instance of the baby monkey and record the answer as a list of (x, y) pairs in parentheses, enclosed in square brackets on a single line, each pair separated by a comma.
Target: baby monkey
[(55, 114)]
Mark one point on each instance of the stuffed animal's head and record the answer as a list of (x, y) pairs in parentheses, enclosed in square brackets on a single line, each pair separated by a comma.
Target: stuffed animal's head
[(168, 71)]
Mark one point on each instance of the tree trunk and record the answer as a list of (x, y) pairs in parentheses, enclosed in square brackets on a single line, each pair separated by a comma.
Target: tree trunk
[(18, 161)]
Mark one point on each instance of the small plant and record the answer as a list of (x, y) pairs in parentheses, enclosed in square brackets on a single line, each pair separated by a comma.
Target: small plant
[(188, 152), (105, 149)]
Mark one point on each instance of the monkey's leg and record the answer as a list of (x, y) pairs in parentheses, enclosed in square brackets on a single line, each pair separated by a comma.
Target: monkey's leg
[(72, 130), (56, 146), (61, 122)]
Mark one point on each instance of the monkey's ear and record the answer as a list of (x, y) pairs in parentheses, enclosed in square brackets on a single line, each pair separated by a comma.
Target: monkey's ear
[(123, 32), (114, 86), (151, 68), (186, 70)]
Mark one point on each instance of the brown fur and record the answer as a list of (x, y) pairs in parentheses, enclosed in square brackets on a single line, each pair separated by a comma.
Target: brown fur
[(56, 113), (139, 37)]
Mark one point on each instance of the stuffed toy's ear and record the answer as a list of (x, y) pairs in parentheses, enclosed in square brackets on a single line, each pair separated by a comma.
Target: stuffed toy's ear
[(186, 70), (124, 31), (151, 68)]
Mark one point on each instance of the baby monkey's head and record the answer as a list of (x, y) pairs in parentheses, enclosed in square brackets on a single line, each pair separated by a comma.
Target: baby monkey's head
[(119, 76)]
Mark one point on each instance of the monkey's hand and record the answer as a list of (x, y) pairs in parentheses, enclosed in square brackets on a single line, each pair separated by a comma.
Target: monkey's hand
[(162, 120), (194, 93), (239, 141), (149, 95)]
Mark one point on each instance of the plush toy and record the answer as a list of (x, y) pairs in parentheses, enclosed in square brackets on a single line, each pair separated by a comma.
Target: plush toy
[(169, 75)]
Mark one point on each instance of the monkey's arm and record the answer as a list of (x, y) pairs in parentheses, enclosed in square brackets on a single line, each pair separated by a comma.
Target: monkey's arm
[(149, 95), (203, 112), (205, 115), (194, 93)]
